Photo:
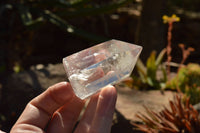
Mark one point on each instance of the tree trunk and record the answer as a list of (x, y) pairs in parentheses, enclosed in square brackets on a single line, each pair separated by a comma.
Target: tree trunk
[(150, 32)]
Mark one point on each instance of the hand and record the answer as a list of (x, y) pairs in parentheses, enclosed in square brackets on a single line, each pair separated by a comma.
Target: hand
[(57, 111)]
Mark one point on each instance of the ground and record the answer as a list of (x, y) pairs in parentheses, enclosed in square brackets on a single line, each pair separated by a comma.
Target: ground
[(18, 89)]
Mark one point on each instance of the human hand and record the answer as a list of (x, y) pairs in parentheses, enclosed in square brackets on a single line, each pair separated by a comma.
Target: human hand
[(57, 110)]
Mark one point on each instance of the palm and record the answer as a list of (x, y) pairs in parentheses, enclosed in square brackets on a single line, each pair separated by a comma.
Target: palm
[(58, 109)]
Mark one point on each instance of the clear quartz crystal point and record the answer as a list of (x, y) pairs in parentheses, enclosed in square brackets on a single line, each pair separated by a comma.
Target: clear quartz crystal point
[(96, 67)]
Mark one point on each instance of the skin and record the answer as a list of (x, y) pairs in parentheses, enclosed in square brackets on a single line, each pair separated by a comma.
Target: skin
[(57, 110)]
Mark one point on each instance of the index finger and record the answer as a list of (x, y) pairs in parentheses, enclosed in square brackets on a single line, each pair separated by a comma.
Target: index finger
[(39, 111)]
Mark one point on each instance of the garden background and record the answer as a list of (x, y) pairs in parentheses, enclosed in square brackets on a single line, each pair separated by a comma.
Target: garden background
[(36, 34)]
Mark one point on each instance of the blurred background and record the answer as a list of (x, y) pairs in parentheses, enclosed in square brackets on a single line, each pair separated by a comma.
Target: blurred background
[(42, 32)]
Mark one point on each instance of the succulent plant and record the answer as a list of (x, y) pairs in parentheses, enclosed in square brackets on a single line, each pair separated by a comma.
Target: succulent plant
[(187, 81), (182, 118), (148, 74)]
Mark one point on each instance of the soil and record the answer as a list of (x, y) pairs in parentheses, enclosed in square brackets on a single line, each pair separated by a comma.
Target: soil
[(18, 89)]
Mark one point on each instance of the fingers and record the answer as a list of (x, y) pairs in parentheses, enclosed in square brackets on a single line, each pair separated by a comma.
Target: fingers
[(65, 118), (86, 120), (39, 111), (99, 113), (104, 112), (60, 101)]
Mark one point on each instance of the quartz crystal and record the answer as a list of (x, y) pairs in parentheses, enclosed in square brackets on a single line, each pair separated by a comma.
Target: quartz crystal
[(96, 67)]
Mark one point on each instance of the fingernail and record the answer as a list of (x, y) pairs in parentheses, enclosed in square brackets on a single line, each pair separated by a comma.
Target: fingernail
[(108, 94), (108, 90)]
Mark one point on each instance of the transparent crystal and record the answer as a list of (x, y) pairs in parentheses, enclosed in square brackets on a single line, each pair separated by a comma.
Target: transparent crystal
[(96, 67)]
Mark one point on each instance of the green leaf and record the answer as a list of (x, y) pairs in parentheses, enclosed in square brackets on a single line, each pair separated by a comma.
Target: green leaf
[(49, 16), (93, 10), (140, 66), (151, 66), (17, 68), (160, 57), (164, 73), (162, 85), (151, 60), (149, 81), (141, 70), (24, 14)]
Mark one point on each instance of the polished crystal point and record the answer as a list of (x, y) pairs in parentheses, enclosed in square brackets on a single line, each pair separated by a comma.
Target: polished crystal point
[(96, 67)]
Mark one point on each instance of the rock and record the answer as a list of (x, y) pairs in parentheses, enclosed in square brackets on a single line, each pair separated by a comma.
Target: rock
[(37, 78), (197, 107), (132, 101), (20, 88)]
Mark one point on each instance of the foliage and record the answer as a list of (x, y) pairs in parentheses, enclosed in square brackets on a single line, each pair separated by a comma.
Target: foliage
[(182, 118), (21, 20), (58, 12), (187, 81), (148, 74)]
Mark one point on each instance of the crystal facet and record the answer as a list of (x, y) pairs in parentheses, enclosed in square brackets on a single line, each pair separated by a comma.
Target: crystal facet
[(96, 67)]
